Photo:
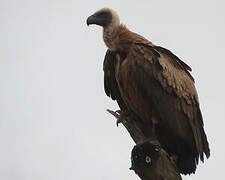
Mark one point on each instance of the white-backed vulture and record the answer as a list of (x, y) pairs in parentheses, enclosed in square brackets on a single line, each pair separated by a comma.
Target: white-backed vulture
[(156, 85)]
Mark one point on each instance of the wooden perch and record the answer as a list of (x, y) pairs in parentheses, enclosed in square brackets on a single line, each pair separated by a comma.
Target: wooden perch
[(148, 159)]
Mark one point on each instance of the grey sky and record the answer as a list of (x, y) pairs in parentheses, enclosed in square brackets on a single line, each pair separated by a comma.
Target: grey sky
[(53, 123)]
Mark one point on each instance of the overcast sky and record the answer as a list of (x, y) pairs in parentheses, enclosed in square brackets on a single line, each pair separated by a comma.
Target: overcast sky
[(53, 119)]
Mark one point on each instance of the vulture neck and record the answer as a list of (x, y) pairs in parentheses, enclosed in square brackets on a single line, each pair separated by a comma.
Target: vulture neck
[(109, 34), (120, 38)]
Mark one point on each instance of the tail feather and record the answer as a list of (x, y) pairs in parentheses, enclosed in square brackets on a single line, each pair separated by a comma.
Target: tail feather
[(189, 154)]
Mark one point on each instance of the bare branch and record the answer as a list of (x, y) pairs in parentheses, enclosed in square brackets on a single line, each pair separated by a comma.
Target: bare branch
[(148, 159)]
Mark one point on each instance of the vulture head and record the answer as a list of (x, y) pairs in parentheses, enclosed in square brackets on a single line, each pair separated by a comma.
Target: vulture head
[(109, 20), (104, 17)]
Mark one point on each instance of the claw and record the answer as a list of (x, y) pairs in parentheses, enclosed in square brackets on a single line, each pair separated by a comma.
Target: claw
[(118, 111), (119, 120), (122, 116), (119, 115)]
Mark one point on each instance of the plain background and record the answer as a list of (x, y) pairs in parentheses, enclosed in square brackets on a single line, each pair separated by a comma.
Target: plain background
[(53, 119)]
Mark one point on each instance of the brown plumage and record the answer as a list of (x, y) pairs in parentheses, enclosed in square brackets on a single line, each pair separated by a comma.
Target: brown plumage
[(156, 85)]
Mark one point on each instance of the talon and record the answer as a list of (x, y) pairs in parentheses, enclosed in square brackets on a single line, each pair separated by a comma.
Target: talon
[(118, 111), (122, 116), (119, 115), (119, 120)]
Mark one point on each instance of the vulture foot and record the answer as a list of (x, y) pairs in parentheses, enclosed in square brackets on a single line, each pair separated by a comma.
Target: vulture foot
[(122, 116)]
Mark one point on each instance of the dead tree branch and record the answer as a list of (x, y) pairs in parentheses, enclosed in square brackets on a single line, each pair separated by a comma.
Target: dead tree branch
[(148, 159)]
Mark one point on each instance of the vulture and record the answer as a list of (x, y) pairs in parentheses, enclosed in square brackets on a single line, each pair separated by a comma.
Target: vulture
[(157, 87)]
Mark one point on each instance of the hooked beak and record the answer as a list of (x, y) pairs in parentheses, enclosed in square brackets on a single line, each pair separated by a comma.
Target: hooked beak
[(92, 19), (95, 19)]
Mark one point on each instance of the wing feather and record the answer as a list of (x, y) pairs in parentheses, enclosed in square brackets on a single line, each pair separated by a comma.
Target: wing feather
[(172, 91), (110, 83)]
